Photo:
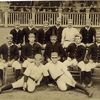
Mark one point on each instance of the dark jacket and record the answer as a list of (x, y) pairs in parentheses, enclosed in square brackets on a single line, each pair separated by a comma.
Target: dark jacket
[(17, 36), (57, 32), (43, 37), (94, 52), (56, 47), (28, 50), (9, 53), (26, 31), (76, 52), (87, 35)]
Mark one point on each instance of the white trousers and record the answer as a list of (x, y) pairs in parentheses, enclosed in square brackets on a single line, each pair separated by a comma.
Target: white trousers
[(15, 65), (86, 67), (64, 81), (66, 44), (30, 84)]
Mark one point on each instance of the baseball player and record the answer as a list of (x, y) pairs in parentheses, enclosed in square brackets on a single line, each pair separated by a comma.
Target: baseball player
[(54, 45), (29, 29), (75, 52), (59, 73), (31, 78), (93, 61), (9, 56), (68, 34), (29, 50), (16, 32)]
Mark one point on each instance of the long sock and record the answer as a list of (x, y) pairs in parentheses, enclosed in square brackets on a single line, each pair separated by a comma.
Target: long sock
[(88, 77), (82, 76), (17, 73), (1, 74), (7, 87), (79, 86)]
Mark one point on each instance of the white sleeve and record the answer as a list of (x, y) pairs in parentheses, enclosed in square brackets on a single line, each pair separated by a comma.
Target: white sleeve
[(45, 70), (76, 32), (27, 71), (63, 35)]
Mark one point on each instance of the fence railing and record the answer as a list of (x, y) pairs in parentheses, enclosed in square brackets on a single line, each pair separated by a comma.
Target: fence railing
[(79, 19)]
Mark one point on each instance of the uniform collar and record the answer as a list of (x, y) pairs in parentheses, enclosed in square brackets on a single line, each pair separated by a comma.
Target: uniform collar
[(80, 44), (30, 28), (10, 44), (87, 28)]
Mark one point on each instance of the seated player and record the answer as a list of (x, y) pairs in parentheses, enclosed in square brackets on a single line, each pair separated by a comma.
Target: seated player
[(75, 52), (94, 52), (93, 61), (9, 57), (31, 78), (54, 45), (29, 50), (61, 75)]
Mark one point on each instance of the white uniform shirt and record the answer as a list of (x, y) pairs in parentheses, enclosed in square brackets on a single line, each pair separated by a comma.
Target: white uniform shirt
[(69, 34), (55, 70), (34, 72), (60, 69)]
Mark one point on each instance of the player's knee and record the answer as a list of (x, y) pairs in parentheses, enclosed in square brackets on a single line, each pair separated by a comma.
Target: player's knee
[(62, 88), (30, 89)]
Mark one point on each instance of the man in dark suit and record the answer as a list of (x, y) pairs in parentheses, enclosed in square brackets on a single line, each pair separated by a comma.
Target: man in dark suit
[(75, 53), (29, 29), (43, 34), (54, 45), (29, 50), (88, 33), (17, 35), (57, 29), (9, 56)]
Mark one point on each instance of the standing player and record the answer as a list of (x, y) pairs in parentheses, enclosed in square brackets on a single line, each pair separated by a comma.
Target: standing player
[(27, 30), (68, 34), (88, 33), (57, 29), (17, 35), (10, 55), (29, 50), (43, 33), (62, 77), (31, 78)]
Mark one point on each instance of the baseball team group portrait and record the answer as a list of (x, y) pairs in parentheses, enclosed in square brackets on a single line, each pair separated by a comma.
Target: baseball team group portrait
[(50, 50)]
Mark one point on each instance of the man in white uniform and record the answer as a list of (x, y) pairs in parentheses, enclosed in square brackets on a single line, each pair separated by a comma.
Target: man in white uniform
[(62, 77), (32, 76), (68, 34)]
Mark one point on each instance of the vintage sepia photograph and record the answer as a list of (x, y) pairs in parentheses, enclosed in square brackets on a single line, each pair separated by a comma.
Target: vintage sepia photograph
[(49, 49)]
